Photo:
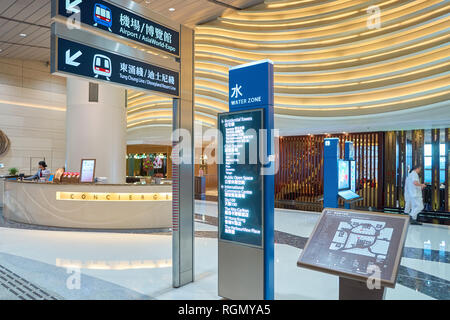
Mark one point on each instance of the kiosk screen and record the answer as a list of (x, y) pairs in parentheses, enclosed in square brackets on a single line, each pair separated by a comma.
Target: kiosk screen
[(344, 179)]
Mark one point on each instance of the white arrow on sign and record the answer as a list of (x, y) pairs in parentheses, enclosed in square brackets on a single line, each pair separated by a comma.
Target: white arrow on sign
[(70, 60), (71, 6)]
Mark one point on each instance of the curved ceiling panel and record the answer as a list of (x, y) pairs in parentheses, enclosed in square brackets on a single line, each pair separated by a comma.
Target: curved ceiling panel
[(329, 61)]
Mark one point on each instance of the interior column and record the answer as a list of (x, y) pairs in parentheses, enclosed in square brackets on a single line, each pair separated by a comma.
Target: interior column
[(96, 128), (183, 171)]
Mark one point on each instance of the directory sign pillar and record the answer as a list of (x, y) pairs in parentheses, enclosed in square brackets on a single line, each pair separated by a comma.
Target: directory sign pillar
[(246, 185), (330, 173)]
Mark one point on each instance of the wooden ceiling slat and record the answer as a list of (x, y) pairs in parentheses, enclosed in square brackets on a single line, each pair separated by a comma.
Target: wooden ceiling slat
[(5, 5), (17, 8), (188, 12)]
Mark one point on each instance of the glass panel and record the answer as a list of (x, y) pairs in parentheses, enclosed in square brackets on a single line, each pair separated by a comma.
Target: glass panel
[(108, 14), (442, 149), (103, 12), (98, 63), (427, 177), (442, 176), (97, 10), (427, 162), (427, 149), (107, 64), (442, 163)]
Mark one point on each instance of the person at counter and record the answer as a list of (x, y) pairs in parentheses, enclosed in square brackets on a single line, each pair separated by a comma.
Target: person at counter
[(42, 171)]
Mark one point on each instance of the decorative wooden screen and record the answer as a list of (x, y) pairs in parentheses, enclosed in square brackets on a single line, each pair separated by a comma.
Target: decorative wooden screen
[(300, 175)]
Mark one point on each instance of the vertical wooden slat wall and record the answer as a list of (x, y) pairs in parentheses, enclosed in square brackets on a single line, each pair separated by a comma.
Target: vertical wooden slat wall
[(380, 180), (401, 164), (389, 169), (300, 175), (381, 166), (435, 184), (418, 140), (447, 169)]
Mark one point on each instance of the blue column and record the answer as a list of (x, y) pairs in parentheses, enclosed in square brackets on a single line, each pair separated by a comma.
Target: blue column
[(330, 172)]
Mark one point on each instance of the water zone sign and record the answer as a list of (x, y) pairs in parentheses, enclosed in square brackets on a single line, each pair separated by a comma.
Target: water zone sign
[(82, 60), (246, 191), (121, 22)]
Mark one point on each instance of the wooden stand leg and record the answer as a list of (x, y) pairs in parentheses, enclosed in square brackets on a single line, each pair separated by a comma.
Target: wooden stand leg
[(357, 290)]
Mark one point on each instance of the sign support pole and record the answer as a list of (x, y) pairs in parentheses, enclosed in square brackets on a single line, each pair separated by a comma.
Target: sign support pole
[(183, 172)]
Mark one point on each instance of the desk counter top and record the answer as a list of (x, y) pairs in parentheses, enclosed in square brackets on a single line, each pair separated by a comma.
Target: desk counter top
[(108, 206)]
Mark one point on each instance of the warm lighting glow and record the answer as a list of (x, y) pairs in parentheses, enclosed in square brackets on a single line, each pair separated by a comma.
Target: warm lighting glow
[(104, 196), (328, 64), (114, 265), (31, 105)]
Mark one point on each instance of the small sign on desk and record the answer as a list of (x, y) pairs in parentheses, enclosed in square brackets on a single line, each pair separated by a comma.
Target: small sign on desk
[(87, 172)]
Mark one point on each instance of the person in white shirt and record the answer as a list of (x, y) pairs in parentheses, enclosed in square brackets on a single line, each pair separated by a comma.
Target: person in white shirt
[(413, 194)]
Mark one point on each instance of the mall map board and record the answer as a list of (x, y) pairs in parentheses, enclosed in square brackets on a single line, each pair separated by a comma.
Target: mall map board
[(346, 242), (120, 20)]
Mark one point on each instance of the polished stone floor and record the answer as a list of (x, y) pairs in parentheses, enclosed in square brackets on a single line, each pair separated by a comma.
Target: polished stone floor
[(75, 264)]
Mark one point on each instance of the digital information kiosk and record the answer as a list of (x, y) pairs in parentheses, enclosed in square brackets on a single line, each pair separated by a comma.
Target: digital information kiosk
[(246, 185), (339, 174), (363, 248)]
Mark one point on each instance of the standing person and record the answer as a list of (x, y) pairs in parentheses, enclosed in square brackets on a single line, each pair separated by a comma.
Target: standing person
[(42, 172), (413, 194)]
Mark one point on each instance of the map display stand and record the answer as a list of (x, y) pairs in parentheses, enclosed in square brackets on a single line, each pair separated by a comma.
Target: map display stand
[(357, 290), (363, 248)]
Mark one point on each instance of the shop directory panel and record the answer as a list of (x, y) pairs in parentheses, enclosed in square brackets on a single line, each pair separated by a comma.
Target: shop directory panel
[(240, 179)]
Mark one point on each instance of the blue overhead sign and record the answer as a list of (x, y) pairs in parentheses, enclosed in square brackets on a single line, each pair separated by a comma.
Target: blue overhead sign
[(82, 60), (118, 21)]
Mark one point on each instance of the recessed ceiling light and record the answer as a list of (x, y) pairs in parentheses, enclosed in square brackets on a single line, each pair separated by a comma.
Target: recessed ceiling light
[(171, 9), (23, 34)]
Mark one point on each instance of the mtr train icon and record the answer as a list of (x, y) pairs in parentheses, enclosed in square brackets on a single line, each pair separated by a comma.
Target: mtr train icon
[(101, 64), (102, 16)]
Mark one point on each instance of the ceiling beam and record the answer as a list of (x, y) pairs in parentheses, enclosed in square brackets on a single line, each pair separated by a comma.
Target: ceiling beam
[(25, 22), (25, 45), (223, 4)]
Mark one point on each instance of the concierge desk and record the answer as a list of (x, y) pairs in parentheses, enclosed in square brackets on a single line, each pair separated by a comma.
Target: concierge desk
[(94, 206)]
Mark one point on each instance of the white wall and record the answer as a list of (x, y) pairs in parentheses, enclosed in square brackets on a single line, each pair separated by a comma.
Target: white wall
[(32, 114), (97, 130)]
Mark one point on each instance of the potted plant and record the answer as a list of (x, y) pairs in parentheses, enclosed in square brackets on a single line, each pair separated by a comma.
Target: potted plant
[(13, 171)]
